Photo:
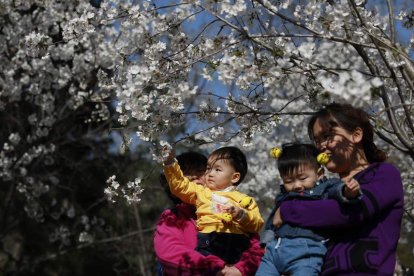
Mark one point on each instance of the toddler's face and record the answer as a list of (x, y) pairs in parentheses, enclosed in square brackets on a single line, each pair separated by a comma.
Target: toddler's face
[(220, 174), (300, 179)]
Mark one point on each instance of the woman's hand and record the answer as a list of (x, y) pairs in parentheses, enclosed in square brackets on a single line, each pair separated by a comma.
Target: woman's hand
[(229, 270), (277, 219)]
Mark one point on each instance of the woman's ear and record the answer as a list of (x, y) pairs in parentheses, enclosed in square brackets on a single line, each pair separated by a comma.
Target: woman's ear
[(357, 135)]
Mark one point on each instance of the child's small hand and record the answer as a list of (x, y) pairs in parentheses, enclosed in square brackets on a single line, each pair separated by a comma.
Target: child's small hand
[(352, 189), (168, 155), (225, 217), (236, 212)]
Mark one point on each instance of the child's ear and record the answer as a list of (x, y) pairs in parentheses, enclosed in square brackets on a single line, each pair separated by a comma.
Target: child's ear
[(321, 172), (235, 178)]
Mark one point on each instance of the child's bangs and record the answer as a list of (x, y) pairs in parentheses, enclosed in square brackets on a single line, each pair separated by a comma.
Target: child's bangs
[(293, 167)]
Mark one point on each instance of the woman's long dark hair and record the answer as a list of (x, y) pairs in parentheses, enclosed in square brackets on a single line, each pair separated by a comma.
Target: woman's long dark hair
[(349, 118)]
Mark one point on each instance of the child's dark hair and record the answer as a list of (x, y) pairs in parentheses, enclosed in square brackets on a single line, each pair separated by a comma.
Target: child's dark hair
[(295, 155), (236, 158), (349, 118), (189, 162)]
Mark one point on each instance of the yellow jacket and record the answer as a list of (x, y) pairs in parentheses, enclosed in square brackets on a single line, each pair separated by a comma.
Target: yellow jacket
[(209, 204)]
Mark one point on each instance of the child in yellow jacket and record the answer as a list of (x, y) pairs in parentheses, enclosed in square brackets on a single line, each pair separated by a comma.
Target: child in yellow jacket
[(225, 217)]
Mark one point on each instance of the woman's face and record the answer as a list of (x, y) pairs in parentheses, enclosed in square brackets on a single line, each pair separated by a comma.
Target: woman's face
[(339, 144), (197, 176)]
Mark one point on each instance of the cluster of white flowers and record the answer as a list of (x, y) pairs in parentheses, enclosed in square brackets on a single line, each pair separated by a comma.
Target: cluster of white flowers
[(37, 44), (61, 235), (217, 133), (401, 15), (352, 86), (99, 114), (232, 8), (131, 191), (112, 190), (87, 235), (78, 27), (207, 111), (160, 152)]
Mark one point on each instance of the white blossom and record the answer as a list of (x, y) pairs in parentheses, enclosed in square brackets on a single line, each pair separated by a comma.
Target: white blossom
[(85, 237), (131, 191), (36, 44), (77, 27)]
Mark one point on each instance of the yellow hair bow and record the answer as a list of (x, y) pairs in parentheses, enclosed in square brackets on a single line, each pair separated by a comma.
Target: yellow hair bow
[(322, 158), (276, 152)]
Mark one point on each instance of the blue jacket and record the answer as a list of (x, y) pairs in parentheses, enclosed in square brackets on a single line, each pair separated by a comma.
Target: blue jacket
[(325, 188)]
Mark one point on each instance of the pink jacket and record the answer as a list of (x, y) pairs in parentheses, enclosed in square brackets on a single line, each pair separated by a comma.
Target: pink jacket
[(176, 237)]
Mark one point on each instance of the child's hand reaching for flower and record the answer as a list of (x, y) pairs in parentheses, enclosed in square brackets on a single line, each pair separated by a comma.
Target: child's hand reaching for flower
[(168, 155)]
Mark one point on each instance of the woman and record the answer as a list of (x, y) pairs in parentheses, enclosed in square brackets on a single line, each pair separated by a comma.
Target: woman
[(366, 234)]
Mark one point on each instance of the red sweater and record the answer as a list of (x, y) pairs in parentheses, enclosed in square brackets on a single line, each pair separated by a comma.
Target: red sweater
[(176, 237)]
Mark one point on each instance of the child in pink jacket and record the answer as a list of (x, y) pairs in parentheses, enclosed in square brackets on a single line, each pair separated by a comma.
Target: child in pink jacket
[(175, 236)]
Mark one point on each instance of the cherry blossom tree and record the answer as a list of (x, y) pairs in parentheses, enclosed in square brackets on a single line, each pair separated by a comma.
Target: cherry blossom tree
[(244, 72)]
